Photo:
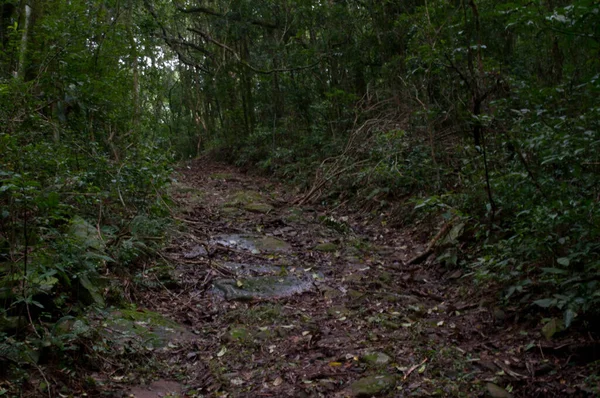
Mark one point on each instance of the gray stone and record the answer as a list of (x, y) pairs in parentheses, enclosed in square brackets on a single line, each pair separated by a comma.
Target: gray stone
[(242, 198), (326, 247), (253, 243), (263, 287)]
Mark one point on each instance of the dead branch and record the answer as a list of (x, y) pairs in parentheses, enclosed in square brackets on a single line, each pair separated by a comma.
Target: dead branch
[(431, 245)]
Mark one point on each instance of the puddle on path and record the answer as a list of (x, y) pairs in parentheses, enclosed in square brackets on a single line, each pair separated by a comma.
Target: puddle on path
[(242, 269), (253, 243), (263, 287), (260, 281)]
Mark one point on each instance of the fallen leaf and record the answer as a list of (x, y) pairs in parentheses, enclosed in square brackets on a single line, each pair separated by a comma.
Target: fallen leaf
[(335, 364), (222, 352), (277, 381)]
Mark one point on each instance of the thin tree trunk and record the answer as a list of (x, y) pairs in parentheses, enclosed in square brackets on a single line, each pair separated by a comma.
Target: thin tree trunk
[(24, 41)]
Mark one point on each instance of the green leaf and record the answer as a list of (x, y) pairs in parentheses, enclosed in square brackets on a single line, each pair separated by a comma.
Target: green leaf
[(555, 271), (569, 316), (545, 303), (563, 261)]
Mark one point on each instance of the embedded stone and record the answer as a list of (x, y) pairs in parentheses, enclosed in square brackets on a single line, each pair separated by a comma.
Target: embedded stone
[(327, 247), (372, 386), (376, 358)]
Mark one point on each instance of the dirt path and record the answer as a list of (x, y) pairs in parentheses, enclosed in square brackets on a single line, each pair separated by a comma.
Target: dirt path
[(304, 302)]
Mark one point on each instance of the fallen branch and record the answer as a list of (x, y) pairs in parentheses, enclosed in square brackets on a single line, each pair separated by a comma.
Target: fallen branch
[(431, 245)]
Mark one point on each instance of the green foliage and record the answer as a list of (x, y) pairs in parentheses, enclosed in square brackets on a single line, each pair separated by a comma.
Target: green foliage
[(83, 170)]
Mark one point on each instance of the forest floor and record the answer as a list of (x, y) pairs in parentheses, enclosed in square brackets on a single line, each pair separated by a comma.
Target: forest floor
[(280, 300)]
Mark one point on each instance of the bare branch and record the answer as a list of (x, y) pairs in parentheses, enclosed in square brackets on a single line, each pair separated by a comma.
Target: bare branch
[(207, 37), (208, 11)]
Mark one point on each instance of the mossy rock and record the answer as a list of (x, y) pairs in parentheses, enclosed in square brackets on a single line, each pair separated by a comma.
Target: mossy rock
[(327, 247), (242, 198), (146, 328), (229, 210), (496, 391), (253, 243), (354, 278), (266, 335), (337, 311), (330, 293), (376, 358), (191, 197), (372, 386), (271, 244), (294, 215), (258, 207), (355, 294), (385, 277)]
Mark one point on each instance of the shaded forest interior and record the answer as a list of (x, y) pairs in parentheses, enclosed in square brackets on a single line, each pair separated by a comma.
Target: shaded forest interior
[(476, 120)]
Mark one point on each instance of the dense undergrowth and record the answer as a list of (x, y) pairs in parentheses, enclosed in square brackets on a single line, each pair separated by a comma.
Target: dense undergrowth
[(82, 182), (71, 218)]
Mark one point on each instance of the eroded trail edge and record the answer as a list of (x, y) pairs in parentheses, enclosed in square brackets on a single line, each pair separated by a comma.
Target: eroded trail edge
[(283, 300)]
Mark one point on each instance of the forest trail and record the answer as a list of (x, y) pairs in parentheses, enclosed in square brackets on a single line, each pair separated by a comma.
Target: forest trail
[(281, 300)]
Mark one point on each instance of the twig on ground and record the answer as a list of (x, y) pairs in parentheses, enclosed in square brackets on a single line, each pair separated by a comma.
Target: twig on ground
[(413, 368)]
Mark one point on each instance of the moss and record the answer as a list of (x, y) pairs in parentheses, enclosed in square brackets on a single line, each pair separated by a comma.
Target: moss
[(238, 334), (294, 215), (271, 244), (242, 198), (372, 386), (142, 327), (258, 208), (337, 311), (327, 247), (376, 358)]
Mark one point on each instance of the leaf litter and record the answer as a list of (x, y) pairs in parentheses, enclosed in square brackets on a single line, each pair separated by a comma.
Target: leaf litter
[(438, 330)]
